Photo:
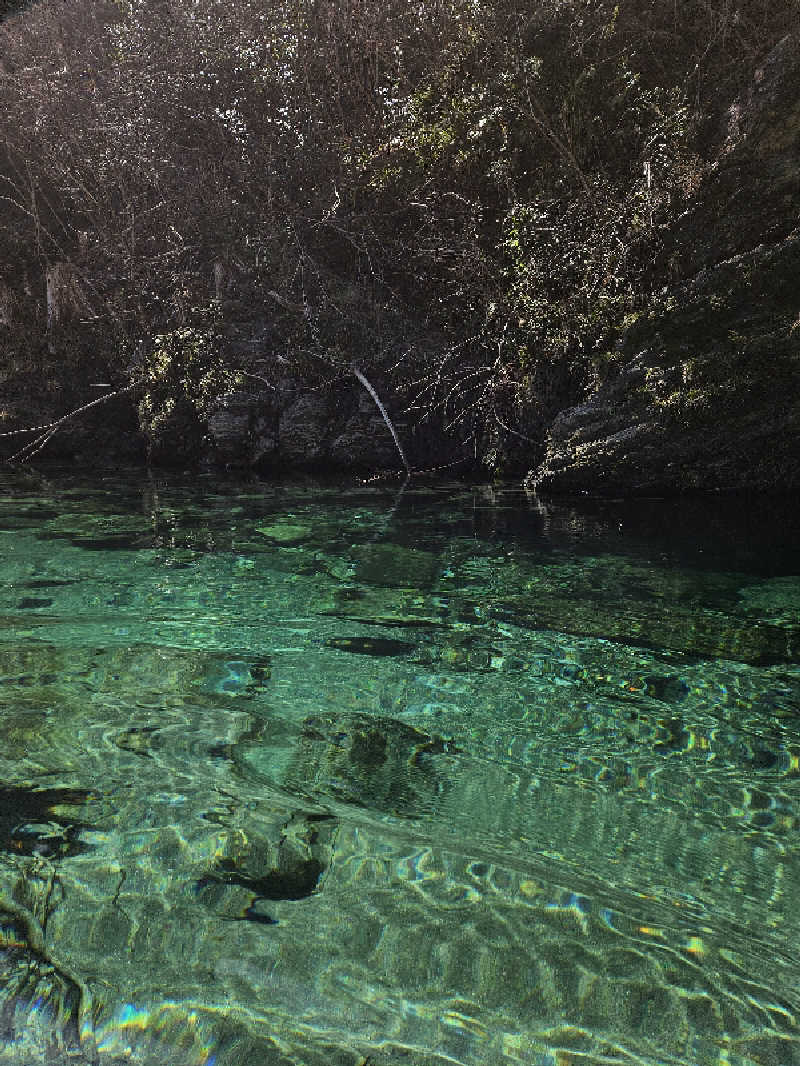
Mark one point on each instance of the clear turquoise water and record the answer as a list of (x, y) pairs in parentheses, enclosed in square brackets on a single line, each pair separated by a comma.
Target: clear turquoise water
[(301, 774)]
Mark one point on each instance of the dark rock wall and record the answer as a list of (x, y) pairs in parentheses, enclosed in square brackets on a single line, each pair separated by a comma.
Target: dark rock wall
[(331, 427)]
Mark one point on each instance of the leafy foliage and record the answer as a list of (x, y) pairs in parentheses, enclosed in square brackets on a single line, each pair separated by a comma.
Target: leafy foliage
[(469, 194)]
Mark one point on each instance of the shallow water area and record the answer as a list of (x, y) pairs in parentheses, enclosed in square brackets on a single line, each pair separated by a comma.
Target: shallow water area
[(359, 774)]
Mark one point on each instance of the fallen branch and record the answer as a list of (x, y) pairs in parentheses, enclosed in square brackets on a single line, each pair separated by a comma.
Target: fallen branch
[(49, 429), (303, 311), (385, 415)]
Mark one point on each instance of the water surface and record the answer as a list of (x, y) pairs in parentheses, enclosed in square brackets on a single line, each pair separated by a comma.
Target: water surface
[(352, 776)]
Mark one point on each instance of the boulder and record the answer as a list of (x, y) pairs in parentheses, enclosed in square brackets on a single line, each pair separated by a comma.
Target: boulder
[(306, 428), (242, 428), (709, 398), (365, 443)]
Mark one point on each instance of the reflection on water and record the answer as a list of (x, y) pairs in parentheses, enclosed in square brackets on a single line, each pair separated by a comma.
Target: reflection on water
[(303, 774)]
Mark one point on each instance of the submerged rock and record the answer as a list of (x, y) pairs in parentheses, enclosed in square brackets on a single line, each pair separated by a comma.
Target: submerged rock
[(777, 599), (393, 565), (377, 763), (284, 532), (395, 608), (285, 866), (704, 633), (43, 822), (377, 646)]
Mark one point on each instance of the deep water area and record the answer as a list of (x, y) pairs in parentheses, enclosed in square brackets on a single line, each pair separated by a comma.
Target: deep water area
[(313, 774)]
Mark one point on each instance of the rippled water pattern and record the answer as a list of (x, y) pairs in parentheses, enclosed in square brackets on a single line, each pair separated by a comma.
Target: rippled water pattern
[(353, 776)]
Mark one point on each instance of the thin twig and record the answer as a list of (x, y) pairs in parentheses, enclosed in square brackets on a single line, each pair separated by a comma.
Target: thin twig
[(516, 432), (49, 429), (32, 447)]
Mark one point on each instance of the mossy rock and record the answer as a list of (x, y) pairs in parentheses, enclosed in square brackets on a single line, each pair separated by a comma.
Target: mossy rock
[(285, 533)]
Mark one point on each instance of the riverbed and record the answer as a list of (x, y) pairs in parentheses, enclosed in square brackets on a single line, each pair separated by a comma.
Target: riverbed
[(369, 774)]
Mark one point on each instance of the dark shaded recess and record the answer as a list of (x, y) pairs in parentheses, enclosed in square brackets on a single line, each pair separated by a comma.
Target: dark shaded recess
[(348, 594), (136, 740), (29, 603), (763, 759), (260, 672), (121, 542), (54, 534), (666, 689), (51, 583), (377, 646), (279, 874), (296, 882), (29, 680), (30, 518), (112, 542), (31, 825), (673, 735), (11, 621), (42, 513), (407, 622), (250, 914)]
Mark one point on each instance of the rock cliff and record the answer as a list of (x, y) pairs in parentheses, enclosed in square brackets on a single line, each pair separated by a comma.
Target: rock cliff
[(704, 390)]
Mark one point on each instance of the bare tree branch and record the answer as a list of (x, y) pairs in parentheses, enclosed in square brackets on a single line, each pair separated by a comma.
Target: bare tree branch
[(49, 429), (384, 414)]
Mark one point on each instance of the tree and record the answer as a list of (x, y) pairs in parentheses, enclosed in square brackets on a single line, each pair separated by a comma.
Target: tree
[(465, 198)]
